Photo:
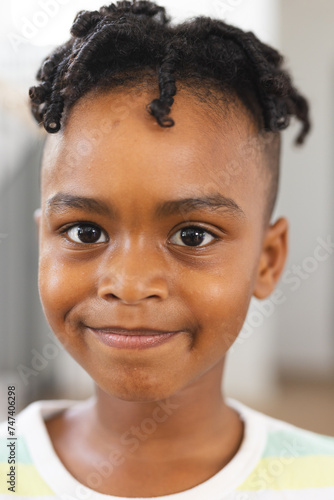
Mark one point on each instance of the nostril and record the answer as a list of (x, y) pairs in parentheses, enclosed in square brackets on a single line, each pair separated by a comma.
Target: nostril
[(132, 290)]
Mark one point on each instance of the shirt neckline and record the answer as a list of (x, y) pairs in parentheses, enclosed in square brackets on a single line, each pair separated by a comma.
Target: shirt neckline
[(63, 484)]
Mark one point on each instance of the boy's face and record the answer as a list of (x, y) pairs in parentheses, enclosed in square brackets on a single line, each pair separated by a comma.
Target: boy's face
[(109, 258)]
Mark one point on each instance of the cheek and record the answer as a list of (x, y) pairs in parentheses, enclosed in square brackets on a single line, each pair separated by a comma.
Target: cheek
[(220, 303), (62, 284)]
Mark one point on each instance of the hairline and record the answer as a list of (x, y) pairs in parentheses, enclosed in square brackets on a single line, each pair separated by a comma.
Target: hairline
[(208, 92)]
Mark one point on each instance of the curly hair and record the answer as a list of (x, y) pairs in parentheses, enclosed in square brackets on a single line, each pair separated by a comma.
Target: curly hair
[(117, 44)]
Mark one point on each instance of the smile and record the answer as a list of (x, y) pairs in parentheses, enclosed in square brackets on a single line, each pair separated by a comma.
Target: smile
[(132, 340)]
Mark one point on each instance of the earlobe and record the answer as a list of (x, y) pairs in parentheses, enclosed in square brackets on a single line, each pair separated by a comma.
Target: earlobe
[(272, 259), (37, 218)]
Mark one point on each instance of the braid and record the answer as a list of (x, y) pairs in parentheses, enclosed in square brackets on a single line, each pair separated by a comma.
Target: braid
[(161, 107), (84, 22), (130, 35), (260, 66), (47, 92), (143, 8), (52, 114)]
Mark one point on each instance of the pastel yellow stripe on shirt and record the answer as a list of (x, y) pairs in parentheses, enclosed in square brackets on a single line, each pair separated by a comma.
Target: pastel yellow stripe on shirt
[(27, 479), (290, 473)]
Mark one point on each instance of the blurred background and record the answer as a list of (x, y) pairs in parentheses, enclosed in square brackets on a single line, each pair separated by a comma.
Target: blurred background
[(283, 360)]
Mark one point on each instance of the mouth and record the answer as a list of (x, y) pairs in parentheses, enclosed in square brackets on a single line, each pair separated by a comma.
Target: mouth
[(139, 338)]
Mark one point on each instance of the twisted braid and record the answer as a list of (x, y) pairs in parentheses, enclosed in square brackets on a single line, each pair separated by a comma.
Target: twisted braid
[(239, 59), (161, 107), (130, 35)]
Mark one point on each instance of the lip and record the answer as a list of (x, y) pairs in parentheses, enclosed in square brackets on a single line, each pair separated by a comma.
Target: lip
[(139, 338)]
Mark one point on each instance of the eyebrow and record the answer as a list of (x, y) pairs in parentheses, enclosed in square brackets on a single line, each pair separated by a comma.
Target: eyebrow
[(215, 202), (62, 201)]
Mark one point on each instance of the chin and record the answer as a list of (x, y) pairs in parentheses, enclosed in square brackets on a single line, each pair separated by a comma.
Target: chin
[(137, 391)]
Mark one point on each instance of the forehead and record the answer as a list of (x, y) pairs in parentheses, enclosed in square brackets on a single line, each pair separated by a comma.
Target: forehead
[(110, 139)]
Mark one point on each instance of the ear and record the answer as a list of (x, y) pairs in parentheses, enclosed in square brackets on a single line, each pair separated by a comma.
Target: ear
[(37, 218), (272, 259)]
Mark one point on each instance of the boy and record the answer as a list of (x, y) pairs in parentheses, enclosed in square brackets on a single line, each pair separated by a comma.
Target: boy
[(154, 234)]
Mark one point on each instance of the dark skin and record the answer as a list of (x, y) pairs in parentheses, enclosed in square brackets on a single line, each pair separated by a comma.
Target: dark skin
[(142, 271)]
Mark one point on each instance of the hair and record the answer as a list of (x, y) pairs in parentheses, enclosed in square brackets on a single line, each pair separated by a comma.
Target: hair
[(117, 45)]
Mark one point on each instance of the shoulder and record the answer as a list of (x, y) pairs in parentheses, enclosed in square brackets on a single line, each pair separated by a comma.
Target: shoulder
[(283, 438), (20, 450), (292, 458), (34, 415)]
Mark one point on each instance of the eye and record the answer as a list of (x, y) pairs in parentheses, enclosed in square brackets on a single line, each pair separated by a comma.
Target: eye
[(192, 236), (86, 233)]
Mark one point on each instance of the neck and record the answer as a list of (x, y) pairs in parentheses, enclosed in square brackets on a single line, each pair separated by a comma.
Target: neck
[(157, 447), (197, 413)]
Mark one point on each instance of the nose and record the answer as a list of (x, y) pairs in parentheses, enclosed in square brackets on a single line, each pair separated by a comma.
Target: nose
[(132, 276)]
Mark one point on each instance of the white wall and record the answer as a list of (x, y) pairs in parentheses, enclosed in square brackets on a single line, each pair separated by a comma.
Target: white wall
[(306, 320)]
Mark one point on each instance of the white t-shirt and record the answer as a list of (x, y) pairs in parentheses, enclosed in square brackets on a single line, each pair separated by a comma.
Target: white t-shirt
[(276, 461)]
